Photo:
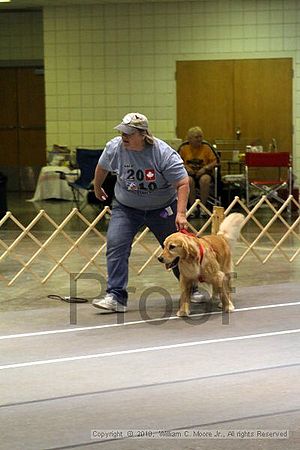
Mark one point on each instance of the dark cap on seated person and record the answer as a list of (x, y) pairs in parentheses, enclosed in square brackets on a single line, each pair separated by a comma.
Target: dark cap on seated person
[(132, 122)]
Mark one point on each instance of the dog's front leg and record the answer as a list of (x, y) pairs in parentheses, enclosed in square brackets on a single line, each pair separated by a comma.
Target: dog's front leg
[(185, 297)]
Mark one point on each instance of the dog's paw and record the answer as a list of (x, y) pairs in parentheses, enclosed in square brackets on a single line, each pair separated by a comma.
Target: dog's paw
[(182, 313), (230, 307)]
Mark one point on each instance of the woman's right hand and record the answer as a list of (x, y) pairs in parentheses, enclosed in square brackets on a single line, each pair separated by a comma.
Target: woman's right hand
[(100, 193)]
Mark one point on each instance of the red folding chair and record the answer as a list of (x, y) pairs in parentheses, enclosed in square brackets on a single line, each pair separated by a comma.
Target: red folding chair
[(262, 178)]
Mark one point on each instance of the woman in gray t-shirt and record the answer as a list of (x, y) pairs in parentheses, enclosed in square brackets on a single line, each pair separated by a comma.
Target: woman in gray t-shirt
[(152, 189)]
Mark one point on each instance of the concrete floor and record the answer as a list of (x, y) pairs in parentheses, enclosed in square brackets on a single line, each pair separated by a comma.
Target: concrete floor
[(209, 382)]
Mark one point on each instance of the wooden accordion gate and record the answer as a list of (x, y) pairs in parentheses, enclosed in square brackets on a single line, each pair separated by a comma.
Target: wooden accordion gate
[(24, 249)]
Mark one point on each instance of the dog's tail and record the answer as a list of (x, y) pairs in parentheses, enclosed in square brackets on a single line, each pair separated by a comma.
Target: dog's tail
[(230, 228)]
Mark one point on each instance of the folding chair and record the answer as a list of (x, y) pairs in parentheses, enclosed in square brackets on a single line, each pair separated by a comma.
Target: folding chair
[(82, 188), (86, 162), (216, 187), (266, 180)]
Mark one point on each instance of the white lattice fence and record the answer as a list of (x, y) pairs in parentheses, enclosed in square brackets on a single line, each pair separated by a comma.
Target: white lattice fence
[(288, 229), (44, 247), (28, 249)]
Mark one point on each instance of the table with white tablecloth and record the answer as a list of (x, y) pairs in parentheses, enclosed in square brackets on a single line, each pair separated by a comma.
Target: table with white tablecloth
[(50, 184)]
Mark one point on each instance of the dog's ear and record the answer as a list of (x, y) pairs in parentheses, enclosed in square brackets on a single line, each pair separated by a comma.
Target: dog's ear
[(189, 247), (193, 249), (183, 245)]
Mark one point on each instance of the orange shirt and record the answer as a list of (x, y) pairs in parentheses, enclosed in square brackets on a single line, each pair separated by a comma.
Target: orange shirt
[(196, 158)]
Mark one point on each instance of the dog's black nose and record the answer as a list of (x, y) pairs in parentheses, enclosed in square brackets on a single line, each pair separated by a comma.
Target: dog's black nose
[(160, 259)]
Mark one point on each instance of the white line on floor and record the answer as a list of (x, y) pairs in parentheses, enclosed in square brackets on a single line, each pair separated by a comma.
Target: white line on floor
[(147, 349), (138, 322)]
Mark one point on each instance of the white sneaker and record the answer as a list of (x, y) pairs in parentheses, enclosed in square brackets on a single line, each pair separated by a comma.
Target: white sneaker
[(201, 296), (109, 303)]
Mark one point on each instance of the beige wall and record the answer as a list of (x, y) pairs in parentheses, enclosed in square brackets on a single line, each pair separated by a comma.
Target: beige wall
[(104, 61), (21, 36)]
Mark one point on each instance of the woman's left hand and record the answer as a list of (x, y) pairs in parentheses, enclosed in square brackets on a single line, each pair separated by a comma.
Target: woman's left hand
[(181, 221), (200, 172)]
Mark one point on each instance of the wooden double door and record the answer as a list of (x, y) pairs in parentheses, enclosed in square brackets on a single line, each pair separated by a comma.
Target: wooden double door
[(249, 98), (22, 117)]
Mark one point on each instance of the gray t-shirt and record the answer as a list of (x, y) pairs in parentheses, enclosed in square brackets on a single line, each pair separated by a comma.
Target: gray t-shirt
[(145, 179)]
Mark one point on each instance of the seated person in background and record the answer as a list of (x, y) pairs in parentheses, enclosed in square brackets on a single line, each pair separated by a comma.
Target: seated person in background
[(199, 161)]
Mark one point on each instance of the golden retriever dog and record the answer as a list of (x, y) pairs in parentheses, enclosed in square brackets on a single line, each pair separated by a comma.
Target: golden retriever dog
[(206, 258)]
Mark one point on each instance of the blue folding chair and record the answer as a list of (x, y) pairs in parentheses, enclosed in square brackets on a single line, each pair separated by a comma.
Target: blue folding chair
[(82, 187)]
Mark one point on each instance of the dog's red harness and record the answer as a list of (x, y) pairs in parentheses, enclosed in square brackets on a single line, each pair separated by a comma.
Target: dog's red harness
[(201, 248)]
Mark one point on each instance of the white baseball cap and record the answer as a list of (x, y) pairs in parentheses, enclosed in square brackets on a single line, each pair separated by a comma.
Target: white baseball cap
[(131, 122)]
